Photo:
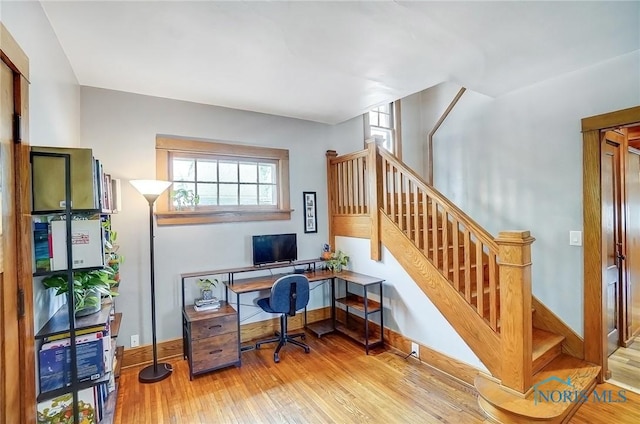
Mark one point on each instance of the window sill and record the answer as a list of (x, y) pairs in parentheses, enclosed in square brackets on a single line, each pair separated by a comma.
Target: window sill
[(209, 217)]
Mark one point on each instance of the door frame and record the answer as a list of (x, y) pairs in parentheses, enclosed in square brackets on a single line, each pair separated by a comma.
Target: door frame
[(16, 59), (595, 346)]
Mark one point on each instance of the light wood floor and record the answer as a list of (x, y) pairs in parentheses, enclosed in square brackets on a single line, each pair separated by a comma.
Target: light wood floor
[(624, 365), (335, 383)]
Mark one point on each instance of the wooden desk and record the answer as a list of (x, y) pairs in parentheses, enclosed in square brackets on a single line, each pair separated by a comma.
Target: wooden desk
[(351, 301), (354, 301)]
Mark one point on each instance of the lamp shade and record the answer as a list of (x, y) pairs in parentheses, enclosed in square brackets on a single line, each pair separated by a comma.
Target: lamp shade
[(150, 187)]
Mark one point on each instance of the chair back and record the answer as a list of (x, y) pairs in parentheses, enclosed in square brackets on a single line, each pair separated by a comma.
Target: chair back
[(289, 294)]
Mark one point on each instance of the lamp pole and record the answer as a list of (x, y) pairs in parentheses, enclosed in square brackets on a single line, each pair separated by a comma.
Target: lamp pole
[(151, 189)]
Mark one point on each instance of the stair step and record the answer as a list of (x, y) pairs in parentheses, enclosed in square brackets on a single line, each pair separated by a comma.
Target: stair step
[(564, 373), (546, 347)]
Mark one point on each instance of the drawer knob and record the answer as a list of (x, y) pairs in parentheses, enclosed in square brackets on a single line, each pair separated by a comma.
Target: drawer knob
[(215, 326), (215, 351)]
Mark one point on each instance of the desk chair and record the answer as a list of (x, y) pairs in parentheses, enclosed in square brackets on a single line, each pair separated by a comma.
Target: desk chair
[(288, 295)]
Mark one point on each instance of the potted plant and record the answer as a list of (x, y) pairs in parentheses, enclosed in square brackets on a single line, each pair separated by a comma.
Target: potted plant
[(112, 257), (206, 287), (88, 288), (338, 260), (185, 199)]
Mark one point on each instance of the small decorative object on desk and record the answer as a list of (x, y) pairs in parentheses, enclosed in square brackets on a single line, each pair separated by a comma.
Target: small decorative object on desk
[(326, 252), (207, 306), (206, 285), (337, 260)]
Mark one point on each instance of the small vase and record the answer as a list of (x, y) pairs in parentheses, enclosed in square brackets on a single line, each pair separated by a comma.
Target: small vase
[(207, 294)]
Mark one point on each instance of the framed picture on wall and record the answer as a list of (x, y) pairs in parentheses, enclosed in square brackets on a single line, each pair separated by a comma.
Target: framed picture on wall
[(310, 212)]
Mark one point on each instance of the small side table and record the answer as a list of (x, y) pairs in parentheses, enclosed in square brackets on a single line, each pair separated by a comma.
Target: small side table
[(211, 338)]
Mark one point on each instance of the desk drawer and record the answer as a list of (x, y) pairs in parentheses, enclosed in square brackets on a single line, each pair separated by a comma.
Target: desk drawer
[(214, 326), (215, 352)]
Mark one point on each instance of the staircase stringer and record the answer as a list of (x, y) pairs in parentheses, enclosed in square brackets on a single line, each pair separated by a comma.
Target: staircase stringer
[(482, 340)]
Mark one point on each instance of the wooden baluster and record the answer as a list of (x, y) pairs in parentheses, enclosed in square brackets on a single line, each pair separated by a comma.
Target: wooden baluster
[(425, 224), (385, 184), (407, 207), (455, 230), (399, 188), (493, 292), (435, 244), (348, 187), (392, 193), (467, 265), (445, 243), (416, 218), (479, 278), (515, 309)]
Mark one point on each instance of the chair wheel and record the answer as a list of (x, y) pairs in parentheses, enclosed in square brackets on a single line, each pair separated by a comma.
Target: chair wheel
[(276, 358), (307, 350)]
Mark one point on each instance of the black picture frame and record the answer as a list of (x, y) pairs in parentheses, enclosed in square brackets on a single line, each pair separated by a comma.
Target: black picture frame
[(310, 214)]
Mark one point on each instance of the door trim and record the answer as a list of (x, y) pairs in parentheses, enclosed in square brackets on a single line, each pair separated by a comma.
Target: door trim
[(14, 57), (594, 308)]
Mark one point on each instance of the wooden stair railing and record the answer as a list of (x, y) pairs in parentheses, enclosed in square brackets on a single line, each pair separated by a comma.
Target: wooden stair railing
[(364, 186)]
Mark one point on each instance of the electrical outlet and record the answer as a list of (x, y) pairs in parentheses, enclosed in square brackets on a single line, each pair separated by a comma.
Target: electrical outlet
[(135, 340), (415, 348)]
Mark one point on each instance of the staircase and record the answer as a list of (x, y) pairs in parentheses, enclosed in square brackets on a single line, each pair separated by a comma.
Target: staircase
[(481, 284)]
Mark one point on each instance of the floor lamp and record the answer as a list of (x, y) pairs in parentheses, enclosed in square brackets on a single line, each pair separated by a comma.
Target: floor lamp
[(151, 189)]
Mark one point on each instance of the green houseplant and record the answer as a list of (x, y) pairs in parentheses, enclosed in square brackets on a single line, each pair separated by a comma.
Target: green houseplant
[(184, 199), (112, 257), (338, 260), (206, 287), (88, 288)]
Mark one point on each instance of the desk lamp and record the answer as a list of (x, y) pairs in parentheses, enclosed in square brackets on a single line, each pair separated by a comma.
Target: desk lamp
[(151, 189)]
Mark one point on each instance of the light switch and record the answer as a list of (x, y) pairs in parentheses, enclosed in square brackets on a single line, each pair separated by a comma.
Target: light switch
[(575, 238)]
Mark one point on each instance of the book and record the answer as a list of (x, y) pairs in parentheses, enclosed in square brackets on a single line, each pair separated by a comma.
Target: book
[(52, 367), (60, 408), (90, 359), (41, 246), (102, 327), (209, 307), (86, 242), (202, 302)]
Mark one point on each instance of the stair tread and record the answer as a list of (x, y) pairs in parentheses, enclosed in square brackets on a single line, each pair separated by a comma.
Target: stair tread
[(563, 373), (543, 341)]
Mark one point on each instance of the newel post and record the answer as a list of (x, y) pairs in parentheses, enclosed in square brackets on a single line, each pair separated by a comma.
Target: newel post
[(514, 255), (374, 177), (331, 196)]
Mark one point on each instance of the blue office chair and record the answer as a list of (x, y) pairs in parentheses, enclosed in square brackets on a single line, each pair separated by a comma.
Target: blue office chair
[(288, 295)]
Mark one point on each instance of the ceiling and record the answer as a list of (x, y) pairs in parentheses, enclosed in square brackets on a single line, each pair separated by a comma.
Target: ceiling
[(331, 61)]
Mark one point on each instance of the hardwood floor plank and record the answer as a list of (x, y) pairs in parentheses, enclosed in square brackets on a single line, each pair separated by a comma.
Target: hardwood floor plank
[(335, 383)]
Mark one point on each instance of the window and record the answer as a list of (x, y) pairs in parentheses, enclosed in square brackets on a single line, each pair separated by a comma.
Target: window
[(383, 122), (233, 183)]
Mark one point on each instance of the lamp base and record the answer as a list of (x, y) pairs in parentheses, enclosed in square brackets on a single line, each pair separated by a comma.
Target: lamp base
[(153, 374)]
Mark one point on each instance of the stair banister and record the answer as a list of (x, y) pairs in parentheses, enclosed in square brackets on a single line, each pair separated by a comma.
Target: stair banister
[(366, 186)]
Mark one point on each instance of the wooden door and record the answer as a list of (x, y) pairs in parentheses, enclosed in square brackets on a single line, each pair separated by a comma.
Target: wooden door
[(632, 304), (612, 236), (9, 333)]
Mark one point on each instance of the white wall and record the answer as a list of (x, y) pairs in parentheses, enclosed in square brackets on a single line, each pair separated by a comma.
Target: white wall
[(121, 129), (407, 310), (54, 102), (515, 162)]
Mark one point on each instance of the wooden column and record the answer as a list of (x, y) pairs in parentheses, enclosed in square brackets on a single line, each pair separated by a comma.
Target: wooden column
[(331, 197), (515, 309), (374, 175)]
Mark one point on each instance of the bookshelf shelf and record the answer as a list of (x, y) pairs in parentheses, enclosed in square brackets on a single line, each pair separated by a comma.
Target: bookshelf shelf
[(59, 322)]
